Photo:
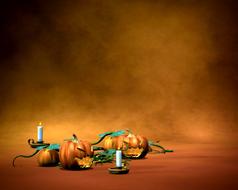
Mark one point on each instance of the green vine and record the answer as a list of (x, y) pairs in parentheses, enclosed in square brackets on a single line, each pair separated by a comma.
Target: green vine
[(24, 156), (156, 144)]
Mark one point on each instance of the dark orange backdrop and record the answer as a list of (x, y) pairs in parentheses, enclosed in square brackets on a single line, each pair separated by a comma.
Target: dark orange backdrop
[(165, 69)]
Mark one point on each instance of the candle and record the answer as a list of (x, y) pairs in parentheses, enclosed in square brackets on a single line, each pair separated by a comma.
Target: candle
[(118, 159), (40, 132)]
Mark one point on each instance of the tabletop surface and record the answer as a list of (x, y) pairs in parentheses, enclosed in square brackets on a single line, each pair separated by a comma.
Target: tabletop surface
[(191, 166)]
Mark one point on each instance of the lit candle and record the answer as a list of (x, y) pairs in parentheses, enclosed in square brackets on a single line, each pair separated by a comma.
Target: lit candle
[(40, 132), (118, 158)]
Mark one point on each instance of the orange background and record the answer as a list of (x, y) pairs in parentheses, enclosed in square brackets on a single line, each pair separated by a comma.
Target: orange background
[(164, 69)]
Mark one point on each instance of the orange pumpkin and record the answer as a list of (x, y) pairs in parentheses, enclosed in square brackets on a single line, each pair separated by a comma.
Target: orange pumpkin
[(76, 154), (48, 157), (132, 146)]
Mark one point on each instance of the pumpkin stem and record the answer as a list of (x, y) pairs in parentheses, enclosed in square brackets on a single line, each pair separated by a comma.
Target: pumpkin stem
[(75, 137), (24, 156)]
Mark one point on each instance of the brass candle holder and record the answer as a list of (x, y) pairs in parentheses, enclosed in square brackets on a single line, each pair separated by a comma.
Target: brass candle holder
[(118, 170)]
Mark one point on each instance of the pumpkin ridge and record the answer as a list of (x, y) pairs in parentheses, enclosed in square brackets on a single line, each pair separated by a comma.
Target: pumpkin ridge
[(65, 152), (61, 156)]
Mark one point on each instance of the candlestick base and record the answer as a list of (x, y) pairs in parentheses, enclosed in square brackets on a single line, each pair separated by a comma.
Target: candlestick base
[(118, 170), (34, 144)]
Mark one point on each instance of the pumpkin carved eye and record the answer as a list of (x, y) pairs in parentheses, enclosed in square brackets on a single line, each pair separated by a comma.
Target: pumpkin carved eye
[(80, 149)]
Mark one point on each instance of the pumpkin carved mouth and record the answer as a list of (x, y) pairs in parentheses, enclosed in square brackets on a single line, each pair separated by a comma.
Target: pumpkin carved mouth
[(133, 152)]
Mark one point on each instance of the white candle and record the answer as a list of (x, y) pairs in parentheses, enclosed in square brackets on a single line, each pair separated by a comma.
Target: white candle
[(118, 158), (40, 132)]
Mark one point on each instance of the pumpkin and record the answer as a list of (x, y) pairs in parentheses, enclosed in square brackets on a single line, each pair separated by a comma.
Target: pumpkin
[(132, 146), (48, 157), (76, 154)]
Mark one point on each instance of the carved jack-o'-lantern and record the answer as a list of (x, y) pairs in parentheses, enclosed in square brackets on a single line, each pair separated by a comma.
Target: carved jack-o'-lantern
[(132, 146), (76, 154)]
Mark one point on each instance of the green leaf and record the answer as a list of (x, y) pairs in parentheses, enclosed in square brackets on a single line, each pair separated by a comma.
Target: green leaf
[(54, 147), (103, 134), (50, 147), (113, 134), (105, 156), (117, 133), (41, 147)]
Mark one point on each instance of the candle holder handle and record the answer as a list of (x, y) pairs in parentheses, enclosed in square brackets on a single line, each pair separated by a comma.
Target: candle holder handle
[(34, 144)]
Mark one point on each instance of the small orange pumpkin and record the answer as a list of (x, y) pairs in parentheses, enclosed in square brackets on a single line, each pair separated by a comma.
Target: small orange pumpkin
[(48, 157), (132, 146), (76, 154)]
